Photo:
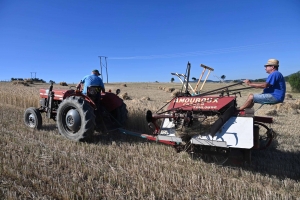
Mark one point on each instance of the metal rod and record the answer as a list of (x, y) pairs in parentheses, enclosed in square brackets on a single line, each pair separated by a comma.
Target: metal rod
[(205, 80), (200, 79), (188, 77), (239, 83)]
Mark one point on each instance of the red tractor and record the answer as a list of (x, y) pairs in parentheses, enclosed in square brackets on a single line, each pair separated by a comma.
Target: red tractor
[(78, 115)]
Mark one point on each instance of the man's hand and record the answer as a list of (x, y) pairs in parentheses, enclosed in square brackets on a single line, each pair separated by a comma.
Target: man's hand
[(256, 85), (78, 86)]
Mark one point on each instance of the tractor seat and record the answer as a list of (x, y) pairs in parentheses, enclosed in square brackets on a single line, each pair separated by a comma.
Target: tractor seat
[(94, 92)]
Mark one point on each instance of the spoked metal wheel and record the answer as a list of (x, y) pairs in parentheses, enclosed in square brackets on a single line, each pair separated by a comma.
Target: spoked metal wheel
[(33, 118), (266, 135)]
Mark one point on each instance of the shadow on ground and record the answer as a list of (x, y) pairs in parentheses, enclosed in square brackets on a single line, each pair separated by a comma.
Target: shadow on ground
[(270, 162)]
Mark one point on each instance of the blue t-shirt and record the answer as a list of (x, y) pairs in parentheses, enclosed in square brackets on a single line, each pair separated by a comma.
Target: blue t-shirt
[(91, 80), (277, 85)]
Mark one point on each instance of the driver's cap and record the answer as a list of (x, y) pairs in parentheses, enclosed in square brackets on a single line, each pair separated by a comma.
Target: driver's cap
[(95, 71)]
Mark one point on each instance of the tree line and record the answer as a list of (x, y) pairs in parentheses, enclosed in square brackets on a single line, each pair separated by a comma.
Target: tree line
[(28, 79)]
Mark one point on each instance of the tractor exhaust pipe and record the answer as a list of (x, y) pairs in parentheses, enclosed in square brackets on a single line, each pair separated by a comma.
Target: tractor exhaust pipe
[(50, 101)]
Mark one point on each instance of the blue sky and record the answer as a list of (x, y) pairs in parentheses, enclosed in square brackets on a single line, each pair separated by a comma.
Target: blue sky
[(145, 41)]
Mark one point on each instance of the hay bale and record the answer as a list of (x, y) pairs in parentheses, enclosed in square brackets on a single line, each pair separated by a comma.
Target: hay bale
[(145, 98), (176, 93), (125, 96), (28, 81), (288, 96), (169, 89), (63, 84), (24, 83), (287, 107), (297, 102)]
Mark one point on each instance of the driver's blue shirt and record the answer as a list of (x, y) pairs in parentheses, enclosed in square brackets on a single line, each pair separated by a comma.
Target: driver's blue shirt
[(91, 80), (277, 85)]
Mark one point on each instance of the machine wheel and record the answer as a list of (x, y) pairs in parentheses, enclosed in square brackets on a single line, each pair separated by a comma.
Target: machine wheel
[(266, 135), (33, 118), (120, 114), (75, 119)]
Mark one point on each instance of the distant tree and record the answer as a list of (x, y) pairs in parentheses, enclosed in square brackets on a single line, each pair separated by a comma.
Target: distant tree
[(223, 78), (294, 81), (259, 80), (194, 79), (52, 81), (172, 80)]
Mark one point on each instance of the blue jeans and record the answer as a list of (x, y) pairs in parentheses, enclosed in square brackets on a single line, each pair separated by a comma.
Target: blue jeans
[(264, 98)]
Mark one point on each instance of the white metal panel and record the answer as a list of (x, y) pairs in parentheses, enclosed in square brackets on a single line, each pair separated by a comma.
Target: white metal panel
[(167, 128), (167, 131), (237, 132)]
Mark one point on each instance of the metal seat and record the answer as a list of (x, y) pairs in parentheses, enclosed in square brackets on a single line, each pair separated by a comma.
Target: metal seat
[(266, 103), (94, 92)]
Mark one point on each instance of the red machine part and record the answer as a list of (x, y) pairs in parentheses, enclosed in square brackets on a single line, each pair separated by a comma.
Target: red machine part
[(109, 100), (200, 103)]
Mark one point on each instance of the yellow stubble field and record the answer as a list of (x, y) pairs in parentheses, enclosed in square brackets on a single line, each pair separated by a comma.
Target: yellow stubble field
[(42, 164)]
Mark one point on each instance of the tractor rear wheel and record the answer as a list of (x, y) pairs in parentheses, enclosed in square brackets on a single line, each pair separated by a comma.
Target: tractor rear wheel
[(75, 119), (33, 118)]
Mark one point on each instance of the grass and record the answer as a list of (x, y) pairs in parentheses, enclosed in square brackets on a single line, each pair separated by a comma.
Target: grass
[(44, 165)]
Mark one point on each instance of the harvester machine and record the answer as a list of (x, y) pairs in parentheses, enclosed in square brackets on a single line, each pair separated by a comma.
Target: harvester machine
[(209, 125)]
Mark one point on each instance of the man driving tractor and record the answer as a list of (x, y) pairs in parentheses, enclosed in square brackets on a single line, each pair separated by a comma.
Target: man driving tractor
[(91, 80)]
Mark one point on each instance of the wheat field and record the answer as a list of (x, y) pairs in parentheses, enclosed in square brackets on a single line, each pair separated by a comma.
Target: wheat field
[(44, 165)]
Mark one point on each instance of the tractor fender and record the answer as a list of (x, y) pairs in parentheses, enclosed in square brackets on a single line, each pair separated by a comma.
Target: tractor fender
[(110, 101)]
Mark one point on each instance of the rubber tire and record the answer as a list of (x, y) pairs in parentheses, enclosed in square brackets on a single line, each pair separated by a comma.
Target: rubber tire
[(37, 117), (87, 116), (120, 114)]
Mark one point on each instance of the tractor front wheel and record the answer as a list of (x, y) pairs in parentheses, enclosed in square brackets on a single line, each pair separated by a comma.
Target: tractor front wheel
[(33, 118), (75, 119)]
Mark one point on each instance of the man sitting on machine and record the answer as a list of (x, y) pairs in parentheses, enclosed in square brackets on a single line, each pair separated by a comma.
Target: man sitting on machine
[(274, 87)]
